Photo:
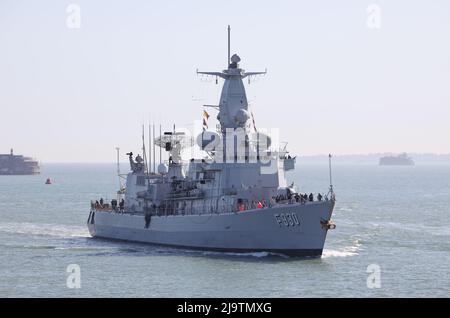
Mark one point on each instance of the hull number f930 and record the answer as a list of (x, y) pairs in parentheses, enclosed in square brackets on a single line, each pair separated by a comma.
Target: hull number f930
[(287, 219)]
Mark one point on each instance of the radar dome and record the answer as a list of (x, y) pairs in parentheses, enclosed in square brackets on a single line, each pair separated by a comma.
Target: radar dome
[(162, 168), (235, 58), (241, 116), (208, 139)]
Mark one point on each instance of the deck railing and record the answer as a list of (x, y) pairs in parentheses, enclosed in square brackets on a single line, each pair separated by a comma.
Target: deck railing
[(211, 207)]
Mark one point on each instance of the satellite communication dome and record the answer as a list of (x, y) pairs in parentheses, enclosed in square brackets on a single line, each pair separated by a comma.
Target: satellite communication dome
[(162, 168), (241, 116), (208, 138), (235, 58)]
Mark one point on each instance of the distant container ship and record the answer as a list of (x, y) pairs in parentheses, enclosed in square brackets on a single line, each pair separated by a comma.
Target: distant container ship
[(11, 164), (400, 160)]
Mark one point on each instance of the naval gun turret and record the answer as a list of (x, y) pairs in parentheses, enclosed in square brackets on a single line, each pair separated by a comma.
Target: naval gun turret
[(137, 165)]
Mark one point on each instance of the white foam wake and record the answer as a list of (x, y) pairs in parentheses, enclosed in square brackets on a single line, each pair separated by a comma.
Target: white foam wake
[(57, 230), (249, 254), (351, 250)]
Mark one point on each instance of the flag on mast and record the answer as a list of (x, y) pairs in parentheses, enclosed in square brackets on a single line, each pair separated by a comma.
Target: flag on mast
[(205, 120)]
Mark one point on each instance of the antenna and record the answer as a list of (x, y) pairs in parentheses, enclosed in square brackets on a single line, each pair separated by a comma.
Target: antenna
[(154, 151), (118, 166), (121, 187), (160, 148), (144, 152), (149, 148), (331, 180), (228, 61)]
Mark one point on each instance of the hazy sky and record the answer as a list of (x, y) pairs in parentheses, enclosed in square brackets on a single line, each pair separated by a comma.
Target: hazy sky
[(333, 84)]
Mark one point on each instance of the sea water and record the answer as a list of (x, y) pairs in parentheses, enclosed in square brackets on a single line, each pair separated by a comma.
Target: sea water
[(392, 240)]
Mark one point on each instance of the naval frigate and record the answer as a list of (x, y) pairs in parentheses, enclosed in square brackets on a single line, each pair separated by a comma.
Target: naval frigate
[(234, 198)]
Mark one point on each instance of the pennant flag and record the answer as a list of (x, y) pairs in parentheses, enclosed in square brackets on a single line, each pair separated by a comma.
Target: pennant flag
[(254, 125), (205, 120)]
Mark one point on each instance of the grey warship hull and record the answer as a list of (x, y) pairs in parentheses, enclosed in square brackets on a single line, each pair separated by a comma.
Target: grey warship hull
[(293, 229)]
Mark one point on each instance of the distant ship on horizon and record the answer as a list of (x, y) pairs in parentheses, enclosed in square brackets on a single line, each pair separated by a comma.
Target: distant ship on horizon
[(400, 160), (11, 164)]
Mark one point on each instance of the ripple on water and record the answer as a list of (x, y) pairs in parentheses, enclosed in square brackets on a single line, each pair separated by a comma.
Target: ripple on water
[(351, 250), (44, 229)]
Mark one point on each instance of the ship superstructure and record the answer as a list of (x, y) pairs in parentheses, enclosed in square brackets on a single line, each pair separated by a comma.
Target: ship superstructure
[(11, 164), (234, 198), (400, 160)]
